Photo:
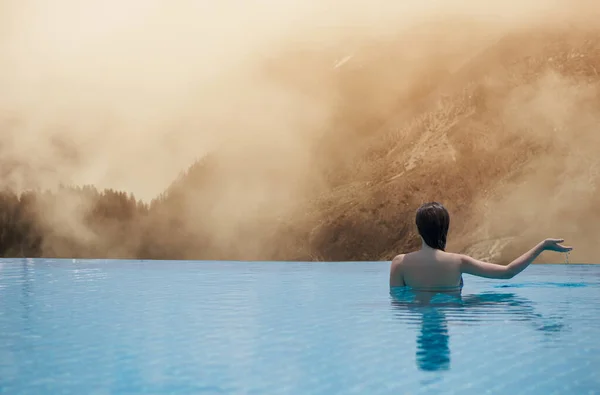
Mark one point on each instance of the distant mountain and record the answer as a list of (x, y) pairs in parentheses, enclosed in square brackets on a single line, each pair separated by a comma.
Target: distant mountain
[(507, 140)]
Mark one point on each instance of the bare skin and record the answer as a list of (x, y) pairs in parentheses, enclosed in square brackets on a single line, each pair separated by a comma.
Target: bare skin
[(434, 270)]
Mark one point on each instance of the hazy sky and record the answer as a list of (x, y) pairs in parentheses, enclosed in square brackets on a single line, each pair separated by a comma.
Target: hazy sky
[(128, 93)]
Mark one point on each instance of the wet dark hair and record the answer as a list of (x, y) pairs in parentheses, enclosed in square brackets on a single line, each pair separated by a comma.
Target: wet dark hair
[(433, 222)]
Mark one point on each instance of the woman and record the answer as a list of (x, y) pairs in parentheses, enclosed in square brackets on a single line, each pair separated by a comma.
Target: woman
[(433, 269)]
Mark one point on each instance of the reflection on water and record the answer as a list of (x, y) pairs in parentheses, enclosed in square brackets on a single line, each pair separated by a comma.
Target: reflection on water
[(433, 342), (433, 311)]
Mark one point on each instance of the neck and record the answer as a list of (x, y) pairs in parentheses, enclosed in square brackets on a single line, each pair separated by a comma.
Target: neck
[(424, 246)]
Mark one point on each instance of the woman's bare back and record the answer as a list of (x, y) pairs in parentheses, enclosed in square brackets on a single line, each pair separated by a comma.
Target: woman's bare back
[(426, 269)]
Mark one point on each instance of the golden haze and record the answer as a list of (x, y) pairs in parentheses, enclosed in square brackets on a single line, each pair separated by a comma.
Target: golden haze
[(327, 122)]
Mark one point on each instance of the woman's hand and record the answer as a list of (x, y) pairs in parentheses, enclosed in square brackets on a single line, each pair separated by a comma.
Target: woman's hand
[(554, 245)]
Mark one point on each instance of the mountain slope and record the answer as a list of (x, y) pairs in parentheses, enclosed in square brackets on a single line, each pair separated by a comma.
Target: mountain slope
[(506, 137)]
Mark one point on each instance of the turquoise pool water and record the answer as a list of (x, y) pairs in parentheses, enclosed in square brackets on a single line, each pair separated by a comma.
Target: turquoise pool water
[(128, 327)]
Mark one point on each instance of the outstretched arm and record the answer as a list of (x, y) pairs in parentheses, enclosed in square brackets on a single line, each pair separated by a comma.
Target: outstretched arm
[(490, 270)]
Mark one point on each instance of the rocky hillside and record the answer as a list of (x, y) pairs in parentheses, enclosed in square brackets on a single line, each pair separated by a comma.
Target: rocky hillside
[(507, 142), (506, 139)]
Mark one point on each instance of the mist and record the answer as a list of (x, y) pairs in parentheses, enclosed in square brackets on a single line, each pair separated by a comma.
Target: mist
[(128, 94)]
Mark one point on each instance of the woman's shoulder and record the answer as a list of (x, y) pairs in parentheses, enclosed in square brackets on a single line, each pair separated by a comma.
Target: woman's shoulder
[(398, 259), (456, 257)]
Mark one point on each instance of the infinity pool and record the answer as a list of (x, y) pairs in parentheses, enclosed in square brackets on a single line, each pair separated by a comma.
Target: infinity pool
[(130, 327)]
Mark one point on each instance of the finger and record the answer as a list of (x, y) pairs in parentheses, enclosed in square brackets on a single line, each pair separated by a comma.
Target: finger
[(558, 240)]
